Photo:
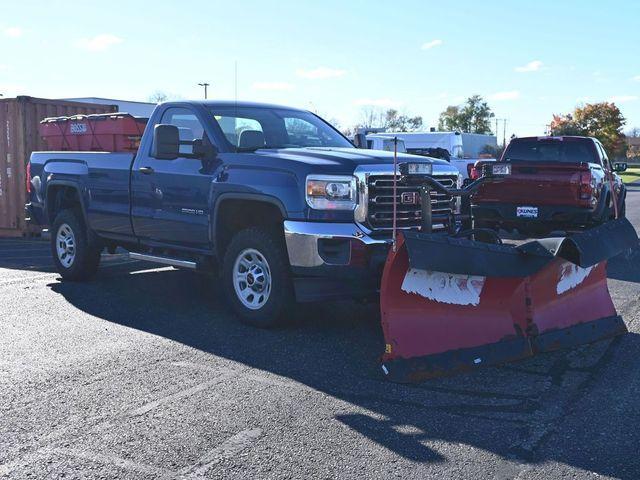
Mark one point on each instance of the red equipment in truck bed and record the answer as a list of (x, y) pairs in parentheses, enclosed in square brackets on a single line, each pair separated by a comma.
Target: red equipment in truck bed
[(113, 132)]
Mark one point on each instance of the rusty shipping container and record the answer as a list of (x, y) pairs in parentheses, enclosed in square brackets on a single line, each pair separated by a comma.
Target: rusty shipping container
[(19, 120)]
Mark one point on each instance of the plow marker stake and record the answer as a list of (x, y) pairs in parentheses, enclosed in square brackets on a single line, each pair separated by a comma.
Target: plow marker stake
[(451, 305)]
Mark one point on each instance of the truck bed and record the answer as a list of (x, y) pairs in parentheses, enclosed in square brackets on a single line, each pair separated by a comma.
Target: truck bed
[(103, 178)]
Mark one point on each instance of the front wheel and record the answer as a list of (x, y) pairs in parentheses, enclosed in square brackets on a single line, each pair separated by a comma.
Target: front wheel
[(75, 256), (257, 278)]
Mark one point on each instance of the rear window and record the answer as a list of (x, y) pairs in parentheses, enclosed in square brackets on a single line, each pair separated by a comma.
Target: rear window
[(567, 151)]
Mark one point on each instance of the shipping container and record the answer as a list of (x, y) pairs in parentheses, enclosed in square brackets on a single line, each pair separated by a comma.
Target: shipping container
[(19, 121)]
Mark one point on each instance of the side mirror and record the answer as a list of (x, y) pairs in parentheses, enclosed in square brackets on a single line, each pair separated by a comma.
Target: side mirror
[(619, 167), (360, 140), (166, 142)]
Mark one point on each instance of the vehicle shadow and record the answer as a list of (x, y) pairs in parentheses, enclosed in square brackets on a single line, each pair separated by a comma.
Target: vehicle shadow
[(333, 348)]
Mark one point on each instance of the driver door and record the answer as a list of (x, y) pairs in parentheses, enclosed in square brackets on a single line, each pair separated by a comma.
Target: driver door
[(171, 198)]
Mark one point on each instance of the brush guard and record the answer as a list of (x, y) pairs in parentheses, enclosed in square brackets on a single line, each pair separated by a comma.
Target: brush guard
[(451, 304)]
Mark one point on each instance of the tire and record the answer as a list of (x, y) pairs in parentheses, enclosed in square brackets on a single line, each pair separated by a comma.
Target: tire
[(258, 256), (75, 256)]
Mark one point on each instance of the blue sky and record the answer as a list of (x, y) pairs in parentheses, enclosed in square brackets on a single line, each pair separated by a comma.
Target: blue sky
[(529, 59)]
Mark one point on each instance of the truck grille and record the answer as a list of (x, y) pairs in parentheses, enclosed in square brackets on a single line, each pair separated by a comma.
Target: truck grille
[(380, 211)]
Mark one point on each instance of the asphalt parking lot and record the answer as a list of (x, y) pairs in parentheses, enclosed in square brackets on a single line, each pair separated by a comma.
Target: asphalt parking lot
[(143, 373)]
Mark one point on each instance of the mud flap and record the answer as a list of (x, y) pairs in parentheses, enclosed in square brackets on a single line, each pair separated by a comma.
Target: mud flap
[(451, 305)]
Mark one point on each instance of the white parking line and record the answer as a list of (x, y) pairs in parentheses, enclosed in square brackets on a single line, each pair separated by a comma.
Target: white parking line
[(229, 448), (182, 394), (109, 459)]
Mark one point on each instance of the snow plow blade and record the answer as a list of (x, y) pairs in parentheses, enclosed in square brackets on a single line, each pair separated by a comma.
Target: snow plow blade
[(450, 304)]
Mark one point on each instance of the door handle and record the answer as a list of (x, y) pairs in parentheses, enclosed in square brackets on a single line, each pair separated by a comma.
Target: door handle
[(146, 170)]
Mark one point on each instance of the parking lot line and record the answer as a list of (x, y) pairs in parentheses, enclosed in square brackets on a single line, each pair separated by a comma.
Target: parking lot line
[(229, 448), (183, 393), (110, 459)]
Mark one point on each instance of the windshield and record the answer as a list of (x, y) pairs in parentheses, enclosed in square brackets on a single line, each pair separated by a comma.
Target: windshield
[(568, 151), (249, 128)]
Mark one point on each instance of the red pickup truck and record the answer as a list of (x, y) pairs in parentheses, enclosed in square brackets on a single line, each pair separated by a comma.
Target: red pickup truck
[(543, 184)]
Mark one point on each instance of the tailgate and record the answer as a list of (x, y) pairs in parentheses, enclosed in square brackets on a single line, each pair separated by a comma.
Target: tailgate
[(535, 183)]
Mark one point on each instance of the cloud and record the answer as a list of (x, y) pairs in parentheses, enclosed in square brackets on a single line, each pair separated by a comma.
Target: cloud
[(377, 102), (431, 44), (320, 73), (272, 86), (623, 98), (508, 95), (533, 66), (13, 32), (99, 43), (636, 78)]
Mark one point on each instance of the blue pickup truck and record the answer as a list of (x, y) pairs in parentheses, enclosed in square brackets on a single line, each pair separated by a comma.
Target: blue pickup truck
[(274, 199)]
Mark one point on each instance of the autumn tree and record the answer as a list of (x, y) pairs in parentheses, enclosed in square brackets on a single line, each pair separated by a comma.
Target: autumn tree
[(603, 121), (474, 116)]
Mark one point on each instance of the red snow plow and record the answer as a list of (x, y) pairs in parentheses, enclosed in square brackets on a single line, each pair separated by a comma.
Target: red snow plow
[(457, 301)]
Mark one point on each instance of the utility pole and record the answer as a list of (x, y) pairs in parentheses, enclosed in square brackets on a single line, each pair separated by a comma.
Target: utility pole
[(504, 130), (504, 133), (205, 85)]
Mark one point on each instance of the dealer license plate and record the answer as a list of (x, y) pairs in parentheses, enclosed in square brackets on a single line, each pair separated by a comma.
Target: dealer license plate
[(527, 212)]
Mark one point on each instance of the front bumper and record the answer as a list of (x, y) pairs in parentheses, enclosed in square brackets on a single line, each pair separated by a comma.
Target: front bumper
[(333, 260)]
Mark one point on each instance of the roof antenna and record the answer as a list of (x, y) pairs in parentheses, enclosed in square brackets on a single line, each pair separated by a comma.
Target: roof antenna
[(236, 84)]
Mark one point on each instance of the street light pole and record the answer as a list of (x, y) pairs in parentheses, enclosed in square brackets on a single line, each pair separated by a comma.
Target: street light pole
[(205, 85)]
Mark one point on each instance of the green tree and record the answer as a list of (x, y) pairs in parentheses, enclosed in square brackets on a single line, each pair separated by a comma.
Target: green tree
[(603, 121), (474, 116)]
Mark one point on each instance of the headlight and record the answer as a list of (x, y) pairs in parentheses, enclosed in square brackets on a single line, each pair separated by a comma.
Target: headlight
[(501, 169), (331, 192)]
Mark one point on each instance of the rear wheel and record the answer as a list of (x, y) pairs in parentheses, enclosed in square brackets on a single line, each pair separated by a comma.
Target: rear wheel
[(74, 255), (256, 277)]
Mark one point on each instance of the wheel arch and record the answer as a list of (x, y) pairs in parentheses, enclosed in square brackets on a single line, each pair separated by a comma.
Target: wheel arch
[(236, 211), (62, 194)]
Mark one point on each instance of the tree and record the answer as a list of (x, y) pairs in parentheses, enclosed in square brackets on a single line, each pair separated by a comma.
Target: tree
[(397, 122), (474, 116), (450, 119), (371, 117), (391, 120), (158, 97), (603, 121)]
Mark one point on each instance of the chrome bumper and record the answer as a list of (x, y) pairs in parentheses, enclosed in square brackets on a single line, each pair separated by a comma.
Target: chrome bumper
[(302, 240)]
